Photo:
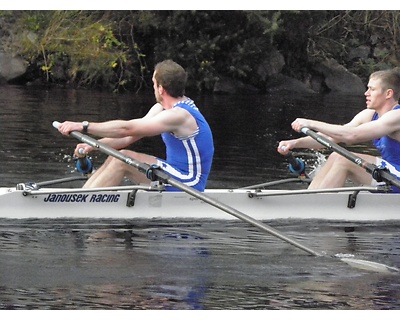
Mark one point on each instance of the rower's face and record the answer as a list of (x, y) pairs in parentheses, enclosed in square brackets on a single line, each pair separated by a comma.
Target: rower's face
[(375, 95), (157, 89)]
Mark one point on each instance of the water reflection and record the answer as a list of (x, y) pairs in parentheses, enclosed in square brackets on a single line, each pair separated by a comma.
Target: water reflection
[(187, 265)]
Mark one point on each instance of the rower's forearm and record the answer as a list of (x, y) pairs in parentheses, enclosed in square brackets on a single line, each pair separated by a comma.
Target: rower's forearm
[(110, 129), (307, 143), (334, 132), (118, 143)]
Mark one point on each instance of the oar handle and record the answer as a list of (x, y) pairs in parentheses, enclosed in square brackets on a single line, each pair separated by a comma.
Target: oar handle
[(296, 165), (83, 164)]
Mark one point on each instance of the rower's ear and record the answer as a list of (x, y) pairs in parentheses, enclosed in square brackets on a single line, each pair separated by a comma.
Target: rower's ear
[(389, 93), (160, 89)]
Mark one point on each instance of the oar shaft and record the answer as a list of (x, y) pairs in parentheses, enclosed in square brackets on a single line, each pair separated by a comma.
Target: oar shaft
[(337, 148), (165, 178), (369, 167)]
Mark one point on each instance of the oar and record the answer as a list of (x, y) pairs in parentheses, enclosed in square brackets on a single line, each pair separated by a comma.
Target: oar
[(376, 172), (162, 176), (155, 173)]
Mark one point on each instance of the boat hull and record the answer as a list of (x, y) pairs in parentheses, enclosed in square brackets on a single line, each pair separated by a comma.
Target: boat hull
[(124, 204)]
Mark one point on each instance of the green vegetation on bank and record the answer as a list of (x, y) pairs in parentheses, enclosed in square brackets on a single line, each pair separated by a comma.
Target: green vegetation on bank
[(117, 50)]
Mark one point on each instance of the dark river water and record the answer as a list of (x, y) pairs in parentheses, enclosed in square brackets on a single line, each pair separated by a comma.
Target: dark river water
[(181, 265)]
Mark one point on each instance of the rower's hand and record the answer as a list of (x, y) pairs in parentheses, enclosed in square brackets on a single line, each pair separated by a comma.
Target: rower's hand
[(284, 147), (82, 149), (300, 123), (68, 126)]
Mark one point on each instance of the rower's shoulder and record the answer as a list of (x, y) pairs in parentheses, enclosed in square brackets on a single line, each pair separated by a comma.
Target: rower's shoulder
[(363, 116), (392, 114)]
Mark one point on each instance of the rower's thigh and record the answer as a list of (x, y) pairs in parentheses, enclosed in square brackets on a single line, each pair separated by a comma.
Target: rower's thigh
[(358, 173)]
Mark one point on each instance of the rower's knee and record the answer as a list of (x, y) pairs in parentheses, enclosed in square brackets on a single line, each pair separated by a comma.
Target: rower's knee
[(115, 163), (130, 153), (337, 159)]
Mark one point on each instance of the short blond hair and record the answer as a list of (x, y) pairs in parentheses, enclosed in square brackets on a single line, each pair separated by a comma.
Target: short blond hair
[(390, 79)]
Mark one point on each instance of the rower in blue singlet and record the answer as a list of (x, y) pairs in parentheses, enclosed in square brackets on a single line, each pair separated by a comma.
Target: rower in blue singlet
[(380, 119), (390, 152), (189, 158), (186, 134)]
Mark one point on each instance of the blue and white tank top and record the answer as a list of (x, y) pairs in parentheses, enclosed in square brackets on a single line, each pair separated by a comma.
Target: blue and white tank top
[(189, 158), (390, 152), (388, 147)]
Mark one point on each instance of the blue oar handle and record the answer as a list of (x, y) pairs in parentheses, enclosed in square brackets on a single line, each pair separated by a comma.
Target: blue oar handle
[(296, 165), (84, 164)]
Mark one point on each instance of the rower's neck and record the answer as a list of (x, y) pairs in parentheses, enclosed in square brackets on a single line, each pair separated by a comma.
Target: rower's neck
[(169, 102)]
